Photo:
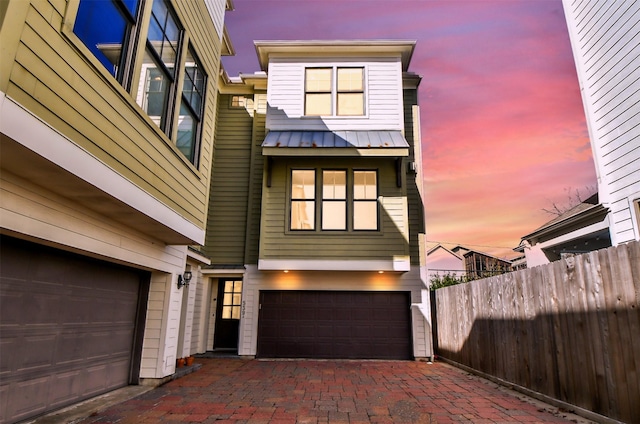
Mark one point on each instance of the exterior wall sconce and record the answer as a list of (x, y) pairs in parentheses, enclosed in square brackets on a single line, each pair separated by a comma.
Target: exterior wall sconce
[(183, 280)]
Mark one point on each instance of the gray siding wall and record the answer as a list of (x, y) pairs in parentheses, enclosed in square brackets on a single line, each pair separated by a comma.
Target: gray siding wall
[(605, 37), (383, 96)]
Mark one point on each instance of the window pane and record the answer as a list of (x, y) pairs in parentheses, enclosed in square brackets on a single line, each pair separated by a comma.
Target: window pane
[(318, 80), (235, 312), (226, 312), (131, 5), (237, 286), (364, 185), (193, 87), (154, 90), (103, 28), (350, 79), (303, 184), (187, 130), (334, 184), (302, 215), (365, 215), (164, 34), (318, 104), (236, 299), (334, 215), (350, 104), (227, 299)]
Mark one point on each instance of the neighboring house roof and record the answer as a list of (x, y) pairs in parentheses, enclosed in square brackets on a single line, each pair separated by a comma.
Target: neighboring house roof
[(438, 247), (362, 143), (579, 215), (471, 252)]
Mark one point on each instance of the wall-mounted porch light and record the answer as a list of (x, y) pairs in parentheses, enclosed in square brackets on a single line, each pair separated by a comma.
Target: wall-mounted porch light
[(183, 280)]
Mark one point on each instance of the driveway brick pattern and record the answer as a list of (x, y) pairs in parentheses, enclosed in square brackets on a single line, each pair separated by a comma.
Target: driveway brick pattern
[(229, 390)]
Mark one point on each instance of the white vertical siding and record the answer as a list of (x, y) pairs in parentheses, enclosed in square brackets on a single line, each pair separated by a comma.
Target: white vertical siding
[(160, 345), (605, 37), (383, 96)]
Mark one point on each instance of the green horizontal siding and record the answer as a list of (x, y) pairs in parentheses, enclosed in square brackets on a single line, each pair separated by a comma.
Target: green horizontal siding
[(230, 185), (278, 243)]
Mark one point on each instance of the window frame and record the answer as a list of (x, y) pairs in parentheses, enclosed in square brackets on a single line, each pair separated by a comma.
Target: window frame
[(334, 92), (367, 200), (319, 201), (293, 199), (344, 200), (197, 115), (168, 116), (129, 53)]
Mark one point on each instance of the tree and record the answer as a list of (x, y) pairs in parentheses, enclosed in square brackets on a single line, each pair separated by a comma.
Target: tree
[(573, 199)]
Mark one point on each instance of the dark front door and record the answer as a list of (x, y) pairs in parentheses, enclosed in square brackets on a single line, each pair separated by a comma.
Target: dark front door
[(228, 314), (334, 324)]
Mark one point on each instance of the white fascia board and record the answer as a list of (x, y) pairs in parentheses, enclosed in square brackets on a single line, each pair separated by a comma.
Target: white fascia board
[(27, 129), (400, 263), (589, 229)]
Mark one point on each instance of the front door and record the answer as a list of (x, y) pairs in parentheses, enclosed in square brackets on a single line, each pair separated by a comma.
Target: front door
[(228, 314)]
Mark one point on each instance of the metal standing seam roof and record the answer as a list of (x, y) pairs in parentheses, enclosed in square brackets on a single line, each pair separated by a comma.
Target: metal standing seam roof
[(336, 139)]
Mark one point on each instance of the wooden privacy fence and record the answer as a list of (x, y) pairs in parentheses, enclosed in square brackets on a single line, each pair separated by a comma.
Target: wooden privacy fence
[(569, 330)]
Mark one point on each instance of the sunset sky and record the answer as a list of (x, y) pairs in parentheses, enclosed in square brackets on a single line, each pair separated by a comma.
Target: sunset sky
[(503, 129)]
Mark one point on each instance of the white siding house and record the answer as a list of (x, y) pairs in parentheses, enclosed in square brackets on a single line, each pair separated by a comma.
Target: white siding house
[(605, 37)]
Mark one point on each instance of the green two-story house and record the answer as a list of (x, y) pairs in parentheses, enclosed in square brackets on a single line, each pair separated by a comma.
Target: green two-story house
[(316, 216)]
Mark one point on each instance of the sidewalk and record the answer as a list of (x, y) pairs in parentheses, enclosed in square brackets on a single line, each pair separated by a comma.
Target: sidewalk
[(229, 390)]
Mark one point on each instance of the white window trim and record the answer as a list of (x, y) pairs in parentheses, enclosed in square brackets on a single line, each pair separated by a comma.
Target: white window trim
[(334, 90)]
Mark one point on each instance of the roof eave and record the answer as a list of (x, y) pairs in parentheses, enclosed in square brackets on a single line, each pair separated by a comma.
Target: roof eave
[(319, 48)]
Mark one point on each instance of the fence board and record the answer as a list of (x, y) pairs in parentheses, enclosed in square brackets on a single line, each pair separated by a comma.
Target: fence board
[(569, 330)]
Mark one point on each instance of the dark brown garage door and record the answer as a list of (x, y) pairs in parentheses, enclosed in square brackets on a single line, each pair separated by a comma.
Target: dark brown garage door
[(329, 324), (67, 327)]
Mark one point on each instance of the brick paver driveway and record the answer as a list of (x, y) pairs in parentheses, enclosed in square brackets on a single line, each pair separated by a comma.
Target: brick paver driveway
[(300, 391)]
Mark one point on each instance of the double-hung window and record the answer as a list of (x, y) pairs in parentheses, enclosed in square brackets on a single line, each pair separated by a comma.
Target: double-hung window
[(339, 89), (160, 65), (350, 92), (303, 195), (365, 200), (190, 118), (348, 200), (334, 200), (106, 28)]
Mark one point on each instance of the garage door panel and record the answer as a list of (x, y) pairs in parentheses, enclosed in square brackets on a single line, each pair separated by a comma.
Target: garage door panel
[(66, 330), (335, 325)]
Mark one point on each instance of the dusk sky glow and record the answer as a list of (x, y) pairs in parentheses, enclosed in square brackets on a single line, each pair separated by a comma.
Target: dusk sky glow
[(503, 128)]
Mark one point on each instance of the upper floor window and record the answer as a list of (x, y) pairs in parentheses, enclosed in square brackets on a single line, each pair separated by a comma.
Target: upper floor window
[(106, 28), (322, 96), (109, 28), (190, 118), (303, 195), (334, 200), (240, 102), (159, 70), (365, 200), (343, 195), (350, 92)]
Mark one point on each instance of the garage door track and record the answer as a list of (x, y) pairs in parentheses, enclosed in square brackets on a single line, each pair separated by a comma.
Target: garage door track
[(230, 390)]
